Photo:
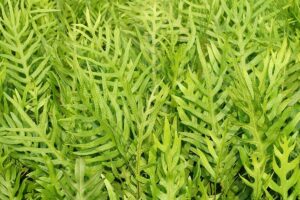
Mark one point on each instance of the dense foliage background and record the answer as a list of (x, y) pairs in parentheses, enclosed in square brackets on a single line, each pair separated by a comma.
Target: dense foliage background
[(149, 99)]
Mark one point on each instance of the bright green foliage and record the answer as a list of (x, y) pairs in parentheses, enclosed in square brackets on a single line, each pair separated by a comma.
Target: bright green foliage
[(12, 183), (153, 99), (170, 173), (286, 167)]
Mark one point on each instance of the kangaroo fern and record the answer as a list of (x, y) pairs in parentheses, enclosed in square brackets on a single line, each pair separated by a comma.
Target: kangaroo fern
[(153, 99)]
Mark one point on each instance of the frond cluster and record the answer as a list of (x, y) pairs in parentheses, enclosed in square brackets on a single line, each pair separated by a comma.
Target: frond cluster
[(153, 99)]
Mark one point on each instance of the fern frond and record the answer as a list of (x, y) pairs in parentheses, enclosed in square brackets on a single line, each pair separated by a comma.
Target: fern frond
[(286, 168), (34, 136), (202, 108), (12, 182), (21, 49), (170, 165), (79, 185)]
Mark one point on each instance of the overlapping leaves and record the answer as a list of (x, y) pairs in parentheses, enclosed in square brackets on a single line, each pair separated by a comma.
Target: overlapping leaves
[(184, 99)]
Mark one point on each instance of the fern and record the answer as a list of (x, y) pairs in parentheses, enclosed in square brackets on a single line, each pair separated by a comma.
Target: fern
[(287, 169), (82, 181), (154, 99), (12, 185), (203, 110), (20, 47), (170, 168)]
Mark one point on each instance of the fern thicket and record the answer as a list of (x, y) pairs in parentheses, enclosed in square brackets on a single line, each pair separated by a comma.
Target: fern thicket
[(181, 99)]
